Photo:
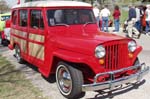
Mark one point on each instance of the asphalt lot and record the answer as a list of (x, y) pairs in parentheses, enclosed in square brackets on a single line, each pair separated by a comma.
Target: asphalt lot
[(49, 88)]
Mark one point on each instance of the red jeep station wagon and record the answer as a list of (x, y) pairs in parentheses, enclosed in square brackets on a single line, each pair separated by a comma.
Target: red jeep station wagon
[(63, 38)]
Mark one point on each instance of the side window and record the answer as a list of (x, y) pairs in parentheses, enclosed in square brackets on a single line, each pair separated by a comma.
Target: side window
[(14, 17), (55, 17), (36, 20), (23, 18)]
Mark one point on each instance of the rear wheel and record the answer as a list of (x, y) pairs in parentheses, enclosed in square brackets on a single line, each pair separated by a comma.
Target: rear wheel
[(5, 42), (2, 42), (18, 54), (69, 80)]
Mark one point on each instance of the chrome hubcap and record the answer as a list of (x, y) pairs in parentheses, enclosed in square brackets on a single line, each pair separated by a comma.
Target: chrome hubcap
[(64, 80)]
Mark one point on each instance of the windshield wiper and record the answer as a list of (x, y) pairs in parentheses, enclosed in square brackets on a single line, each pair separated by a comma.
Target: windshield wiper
[(88, 23), (62, 24)]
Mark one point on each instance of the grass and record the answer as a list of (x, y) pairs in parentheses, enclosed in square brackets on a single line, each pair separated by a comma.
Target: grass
[(124, 16), (13, 84)]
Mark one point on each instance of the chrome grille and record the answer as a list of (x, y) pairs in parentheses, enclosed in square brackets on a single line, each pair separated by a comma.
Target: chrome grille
[(116, 55)]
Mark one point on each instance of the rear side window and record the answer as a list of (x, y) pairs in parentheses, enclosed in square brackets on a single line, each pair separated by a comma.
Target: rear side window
[(23, 18), (36, 20), (14, 17)]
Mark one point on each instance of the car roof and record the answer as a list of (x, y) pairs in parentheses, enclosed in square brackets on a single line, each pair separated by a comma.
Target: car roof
[(53, 4)]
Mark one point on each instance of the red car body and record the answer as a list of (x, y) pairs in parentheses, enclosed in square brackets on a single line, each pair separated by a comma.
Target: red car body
[(74, 44)]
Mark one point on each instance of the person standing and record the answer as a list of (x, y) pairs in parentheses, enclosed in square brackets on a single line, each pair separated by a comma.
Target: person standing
[(104, 14), (143, 18), (138, 17), (116, 15), (147, 12), (131, 22)]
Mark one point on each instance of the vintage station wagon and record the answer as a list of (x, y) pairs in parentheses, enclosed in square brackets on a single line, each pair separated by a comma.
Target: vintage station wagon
[(62, 38)]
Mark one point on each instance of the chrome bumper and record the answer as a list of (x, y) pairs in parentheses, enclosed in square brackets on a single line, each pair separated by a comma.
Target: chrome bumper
[(112, 83)]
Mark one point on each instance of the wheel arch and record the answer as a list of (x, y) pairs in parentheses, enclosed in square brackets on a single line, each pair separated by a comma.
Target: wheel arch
[(84, 68)]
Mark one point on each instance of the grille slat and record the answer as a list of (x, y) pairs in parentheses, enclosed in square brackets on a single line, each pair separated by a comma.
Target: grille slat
[(113, 55), (109, 57), (106, 61), (116, 56)]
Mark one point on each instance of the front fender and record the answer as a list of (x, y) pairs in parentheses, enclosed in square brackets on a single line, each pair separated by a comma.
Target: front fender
[(70, 56), (75, 57), (138, 50)]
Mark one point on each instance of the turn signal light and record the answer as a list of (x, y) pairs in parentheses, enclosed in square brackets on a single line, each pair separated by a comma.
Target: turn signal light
[(130, 55), (101, 61)]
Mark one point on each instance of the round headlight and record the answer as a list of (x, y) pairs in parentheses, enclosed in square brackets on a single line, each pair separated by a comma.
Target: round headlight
[(132, 46), (100, 51)]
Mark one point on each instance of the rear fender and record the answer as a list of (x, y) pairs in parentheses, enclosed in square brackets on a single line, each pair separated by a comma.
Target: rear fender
[(2, 35)]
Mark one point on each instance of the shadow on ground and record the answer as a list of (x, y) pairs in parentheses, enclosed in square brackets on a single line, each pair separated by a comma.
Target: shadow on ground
[(118, 91)]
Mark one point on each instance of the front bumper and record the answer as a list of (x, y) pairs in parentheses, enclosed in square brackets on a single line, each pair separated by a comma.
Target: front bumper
[(112, 83)]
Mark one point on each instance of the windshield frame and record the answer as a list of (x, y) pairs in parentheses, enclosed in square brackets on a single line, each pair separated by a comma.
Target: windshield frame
[(51, 19)]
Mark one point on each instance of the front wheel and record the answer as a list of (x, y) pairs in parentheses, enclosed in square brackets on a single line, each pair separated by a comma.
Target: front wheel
[(69, 80), (137, 62)]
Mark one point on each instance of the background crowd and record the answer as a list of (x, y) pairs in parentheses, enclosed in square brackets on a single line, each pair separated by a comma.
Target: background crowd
[(138, 19)]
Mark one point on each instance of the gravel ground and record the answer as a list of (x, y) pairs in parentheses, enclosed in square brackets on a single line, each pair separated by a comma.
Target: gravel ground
[(50, 90)]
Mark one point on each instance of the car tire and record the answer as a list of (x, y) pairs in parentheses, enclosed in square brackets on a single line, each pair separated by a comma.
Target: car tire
[(18, 54), (137, 61), (69, 81), (5, 42)]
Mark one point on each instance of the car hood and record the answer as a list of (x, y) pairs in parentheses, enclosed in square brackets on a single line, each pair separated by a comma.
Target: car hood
[(84, 42)]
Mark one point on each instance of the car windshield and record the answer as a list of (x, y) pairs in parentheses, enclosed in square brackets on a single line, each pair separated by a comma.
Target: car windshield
[(4, 18), (70, 17)]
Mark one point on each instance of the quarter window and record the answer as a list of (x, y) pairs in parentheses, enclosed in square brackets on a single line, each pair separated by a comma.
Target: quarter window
[(23, 17), (36, 19)]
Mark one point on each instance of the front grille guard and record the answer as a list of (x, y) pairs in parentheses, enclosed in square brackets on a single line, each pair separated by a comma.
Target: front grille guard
[(111, 83), (118, 71)]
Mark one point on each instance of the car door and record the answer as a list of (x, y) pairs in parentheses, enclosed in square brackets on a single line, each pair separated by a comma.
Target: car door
[(22, 30), (36, 37)]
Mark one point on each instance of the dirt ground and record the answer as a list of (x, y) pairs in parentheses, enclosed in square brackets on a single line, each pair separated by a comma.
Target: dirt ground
[(50, 90)]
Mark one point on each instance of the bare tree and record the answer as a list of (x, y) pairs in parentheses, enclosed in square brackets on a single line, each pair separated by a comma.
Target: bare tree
[(3, 6)]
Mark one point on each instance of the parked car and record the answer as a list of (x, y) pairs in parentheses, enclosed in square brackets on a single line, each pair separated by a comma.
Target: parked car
[(62, 38), (6, 34), (3, 18)]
